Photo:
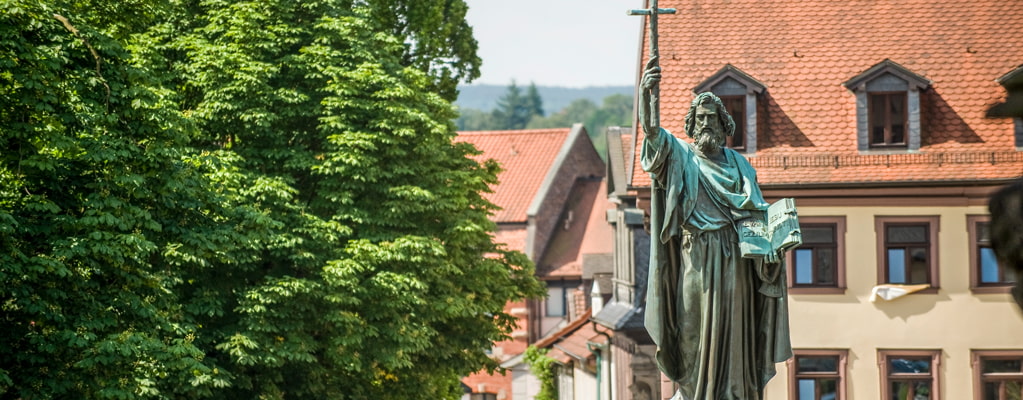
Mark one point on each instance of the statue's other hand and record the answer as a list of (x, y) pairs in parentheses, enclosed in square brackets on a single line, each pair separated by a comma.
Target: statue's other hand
[(772, 258)]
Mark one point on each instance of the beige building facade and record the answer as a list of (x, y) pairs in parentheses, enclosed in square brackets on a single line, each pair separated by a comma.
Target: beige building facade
[(954, 326)]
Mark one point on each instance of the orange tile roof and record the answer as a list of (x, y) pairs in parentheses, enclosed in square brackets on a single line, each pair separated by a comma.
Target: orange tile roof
[(526, 157), (570, 343), (803, 51)]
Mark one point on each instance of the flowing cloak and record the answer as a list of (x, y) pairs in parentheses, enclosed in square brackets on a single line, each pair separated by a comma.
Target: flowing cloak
[(722, 337)]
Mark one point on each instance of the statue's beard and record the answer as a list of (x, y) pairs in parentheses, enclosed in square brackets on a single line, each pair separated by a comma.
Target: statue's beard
[(709, 140)]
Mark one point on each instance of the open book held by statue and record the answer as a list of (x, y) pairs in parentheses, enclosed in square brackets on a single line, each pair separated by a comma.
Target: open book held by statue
[(779, 233)]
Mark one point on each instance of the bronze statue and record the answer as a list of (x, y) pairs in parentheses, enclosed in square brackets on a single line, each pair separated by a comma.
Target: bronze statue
[(720, 320)]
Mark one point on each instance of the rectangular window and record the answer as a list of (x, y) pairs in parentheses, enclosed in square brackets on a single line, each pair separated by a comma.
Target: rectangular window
[(907, 250), (909, 374), (736, 106), (986, 276), (818, 265), (556, 300), (998, 374), (817, 375), (887, 119)]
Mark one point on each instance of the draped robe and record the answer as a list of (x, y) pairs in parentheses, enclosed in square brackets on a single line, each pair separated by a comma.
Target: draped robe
[(720, 321)]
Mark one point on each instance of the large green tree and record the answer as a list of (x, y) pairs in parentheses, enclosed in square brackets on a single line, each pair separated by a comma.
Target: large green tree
[(243, 200), (105, 213), (383, 281)]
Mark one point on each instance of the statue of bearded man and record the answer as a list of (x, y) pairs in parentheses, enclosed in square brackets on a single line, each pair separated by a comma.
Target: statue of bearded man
[(720, 321)]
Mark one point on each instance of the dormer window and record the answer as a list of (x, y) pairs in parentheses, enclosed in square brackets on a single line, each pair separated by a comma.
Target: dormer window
[(739, 92), (887, 107), (1013, 105)]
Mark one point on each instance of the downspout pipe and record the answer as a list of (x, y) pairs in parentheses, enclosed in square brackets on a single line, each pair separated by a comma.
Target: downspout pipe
[(600, 348)]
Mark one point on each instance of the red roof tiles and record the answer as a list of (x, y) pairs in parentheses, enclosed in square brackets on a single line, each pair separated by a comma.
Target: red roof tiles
[(526, 157), (803, 51), (570, 343)]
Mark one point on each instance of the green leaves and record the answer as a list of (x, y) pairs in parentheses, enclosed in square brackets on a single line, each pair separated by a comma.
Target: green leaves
[(210, 199), (95, 184), (542, 367)]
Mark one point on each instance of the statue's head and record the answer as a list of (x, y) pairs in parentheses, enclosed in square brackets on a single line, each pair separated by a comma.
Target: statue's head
[(709, 122)]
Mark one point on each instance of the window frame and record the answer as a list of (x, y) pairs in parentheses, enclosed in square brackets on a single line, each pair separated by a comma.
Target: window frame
[(976, 285), (840, 375), (886, 377), (933, 229), (872, 118), (740, 123), (977, 358), (566, 286), (547, 304), (840, 282)]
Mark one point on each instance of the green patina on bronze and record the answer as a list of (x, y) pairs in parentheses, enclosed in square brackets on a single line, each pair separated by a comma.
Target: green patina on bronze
[(720, 320)]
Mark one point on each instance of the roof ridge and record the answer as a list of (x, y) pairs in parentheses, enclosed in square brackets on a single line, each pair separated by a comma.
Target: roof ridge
[(515, 131), (569, 328)]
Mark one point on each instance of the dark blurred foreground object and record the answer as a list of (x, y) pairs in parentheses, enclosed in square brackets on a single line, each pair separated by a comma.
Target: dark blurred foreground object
[(1006, 208), (1013, 105)]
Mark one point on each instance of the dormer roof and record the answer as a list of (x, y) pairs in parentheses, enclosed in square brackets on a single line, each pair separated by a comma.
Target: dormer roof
[(1013, 78), (728, 76), (1013, 105), (879, 70)]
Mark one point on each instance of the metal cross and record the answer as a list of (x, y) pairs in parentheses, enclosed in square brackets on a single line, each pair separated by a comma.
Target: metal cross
[(655, 95)]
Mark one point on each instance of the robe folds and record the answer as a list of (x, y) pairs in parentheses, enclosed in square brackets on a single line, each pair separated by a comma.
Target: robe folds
[(720, 321)]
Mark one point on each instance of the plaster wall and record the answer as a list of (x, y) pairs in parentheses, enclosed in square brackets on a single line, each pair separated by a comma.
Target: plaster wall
[(585, 386), (524, 384), (954, 320)]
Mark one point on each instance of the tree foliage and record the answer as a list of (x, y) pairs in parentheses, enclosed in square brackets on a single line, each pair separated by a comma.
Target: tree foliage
[(543, 368), (515, 110), (513, 107), (518, 111), (244, 200), (435, 35), (104, 212)]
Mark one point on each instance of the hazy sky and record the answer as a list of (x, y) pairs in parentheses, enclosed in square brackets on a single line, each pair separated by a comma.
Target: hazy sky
[(573, 43)]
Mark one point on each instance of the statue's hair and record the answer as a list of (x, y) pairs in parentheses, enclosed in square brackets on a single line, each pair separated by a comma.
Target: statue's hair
[(727, 123)]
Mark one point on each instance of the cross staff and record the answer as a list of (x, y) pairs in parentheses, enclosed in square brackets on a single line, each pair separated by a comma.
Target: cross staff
[(655, 93)]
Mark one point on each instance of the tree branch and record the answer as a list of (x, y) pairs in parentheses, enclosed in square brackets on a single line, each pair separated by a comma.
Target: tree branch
[(95, 55)]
